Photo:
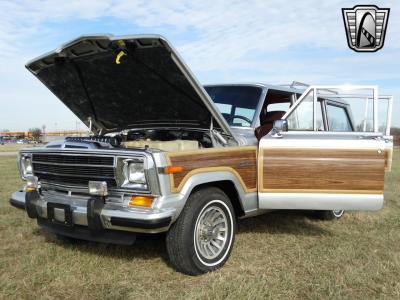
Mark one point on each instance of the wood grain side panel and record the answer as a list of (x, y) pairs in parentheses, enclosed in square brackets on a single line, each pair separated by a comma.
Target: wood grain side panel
[(323, 170), (388, 159), (241, 161)]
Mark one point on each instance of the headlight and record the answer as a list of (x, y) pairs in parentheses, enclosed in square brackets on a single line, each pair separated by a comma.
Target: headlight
[(26, 166), (133, 173), (136, 172)]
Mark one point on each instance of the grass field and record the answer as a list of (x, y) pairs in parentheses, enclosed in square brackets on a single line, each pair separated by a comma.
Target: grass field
[(281, 255), (14, 147)]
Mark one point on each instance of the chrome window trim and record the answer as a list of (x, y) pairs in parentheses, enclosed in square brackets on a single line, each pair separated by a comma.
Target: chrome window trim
[(256, 120), (389, 112), (322, 102), (315, 88), (346, 111)]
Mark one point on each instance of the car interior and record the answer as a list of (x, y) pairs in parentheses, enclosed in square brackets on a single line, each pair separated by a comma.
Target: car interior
[(275, 106)]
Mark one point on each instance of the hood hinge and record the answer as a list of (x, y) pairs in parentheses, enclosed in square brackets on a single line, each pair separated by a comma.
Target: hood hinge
[(215, 135)]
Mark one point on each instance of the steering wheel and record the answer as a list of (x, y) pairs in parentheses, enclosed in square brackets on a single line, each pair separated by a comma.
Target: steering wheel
[(230, 118)]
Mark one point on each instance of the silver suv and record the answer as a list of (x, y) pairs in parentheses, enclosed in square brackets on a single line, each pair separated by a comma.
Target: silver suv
[(169, 155)]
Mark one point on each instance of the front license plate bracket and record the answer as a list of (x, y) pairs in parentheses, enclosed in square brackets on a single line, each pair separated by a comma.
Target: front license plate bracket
[(53, 213)]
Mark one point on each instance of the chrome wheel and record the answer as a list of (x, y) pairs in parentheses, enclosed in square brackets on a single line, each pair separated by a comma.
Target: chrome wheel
[(212, 231), (338, 213), (202, 238)]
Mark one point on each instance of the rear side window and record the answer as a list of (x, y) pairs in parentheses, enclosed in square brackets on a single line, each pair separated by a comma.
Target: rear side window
[(338, 119)]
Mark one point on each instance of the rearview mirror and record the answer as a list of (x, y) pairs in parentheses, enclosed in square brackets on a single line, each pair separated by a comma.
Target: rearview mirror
[(280, 125)]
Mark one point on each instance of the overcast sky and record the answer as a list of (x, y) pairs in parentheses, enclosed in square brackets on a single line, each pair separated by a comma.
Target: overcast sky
[(221, 41)]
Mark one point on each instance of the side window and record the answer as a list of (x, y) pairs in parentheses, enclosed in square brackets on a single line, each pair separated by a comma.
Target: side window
[(302, 118), (337, 118)]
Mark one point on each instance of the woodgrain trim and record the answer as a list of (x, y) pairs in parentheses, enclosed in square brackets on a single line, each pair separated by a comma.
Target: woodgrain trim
[(315, 170), (388, 159), (240, 161)]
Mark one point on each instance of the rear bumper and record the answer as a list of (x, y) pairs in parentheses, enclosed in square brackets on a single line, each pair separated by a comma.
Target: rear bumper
[(112, 216)]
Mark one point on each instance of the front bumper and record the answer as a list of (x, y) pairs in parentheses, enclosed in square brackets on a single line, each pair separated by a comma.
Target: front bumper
[(112, 216)]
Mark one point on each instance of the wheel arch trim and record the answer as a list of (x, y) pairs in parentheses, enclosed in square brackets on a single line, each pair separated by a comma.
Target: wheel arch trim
[(247, 201)]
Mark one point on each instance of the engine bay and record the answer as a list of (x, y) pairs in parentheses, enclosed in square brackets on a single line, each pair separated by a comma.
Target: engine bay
[(161, 139)]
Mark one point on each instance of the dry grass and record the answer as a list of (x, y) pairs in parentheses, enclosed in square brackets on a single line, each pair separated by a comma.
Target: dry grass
[(14, 147), (280, 255)]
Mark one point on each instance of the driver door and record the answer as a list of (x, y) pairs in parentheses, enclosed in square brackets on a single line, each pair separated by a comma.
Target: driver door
[(304, 167)]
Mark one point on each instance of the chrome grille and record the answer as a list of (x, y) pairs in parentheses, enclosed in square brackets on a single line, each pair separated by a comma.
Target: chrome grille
[(72, 159), (77, 169)]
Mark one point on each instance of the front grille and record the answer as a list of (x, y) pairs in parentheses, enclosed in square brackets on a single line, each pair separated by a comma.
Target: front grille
[(72, 159), (77, 169)]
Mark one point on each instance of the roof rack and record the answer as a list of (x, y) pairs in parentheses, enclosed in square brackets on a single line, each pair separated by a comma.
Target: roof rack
[(298, 83), (295, 84)]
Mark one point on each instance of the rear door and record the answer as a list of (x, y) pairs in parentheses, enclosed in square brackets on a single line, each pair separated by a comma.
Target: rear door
[(325, 161)]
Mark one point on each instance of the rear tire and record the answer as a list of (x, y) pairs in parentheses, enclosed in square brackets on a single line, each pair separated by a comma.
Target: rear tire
[(329, 214), (202, 238)]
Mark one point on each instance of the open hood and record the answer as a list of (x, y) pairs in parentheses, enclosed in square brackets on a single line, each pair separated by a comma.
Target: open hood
[(127, 82)]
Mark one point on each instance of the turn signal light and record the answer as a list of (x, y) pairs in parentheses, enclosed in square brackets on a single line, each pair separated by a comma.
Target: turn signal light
[(143, 201), (32, 183), (173, 169)]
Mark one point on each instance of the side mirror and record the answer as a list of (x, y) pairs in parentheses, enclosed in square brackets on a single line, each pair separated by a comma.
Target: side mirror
[(280, 125)]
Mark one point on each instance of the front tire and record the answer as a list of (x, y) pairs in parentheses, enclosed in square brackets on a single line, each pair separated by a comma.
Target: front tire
[(202, 238)]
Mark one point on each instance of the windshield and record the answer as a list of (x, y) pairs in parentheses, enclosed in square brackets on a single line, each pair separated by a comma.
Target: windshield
[(236, 103)]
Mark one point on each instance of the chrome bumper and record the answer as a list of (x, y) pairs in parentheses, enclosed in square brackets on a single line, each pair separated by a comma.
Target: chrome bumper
[(113, 216)]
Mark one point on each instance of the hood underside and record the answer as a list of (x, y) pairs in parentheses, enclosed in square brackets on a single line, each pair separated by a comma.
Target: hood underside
[(127, 82)]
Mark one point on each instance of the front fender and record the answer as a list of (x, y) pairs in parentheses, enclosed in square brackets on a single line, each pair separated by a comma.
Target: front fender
[(248, 201)]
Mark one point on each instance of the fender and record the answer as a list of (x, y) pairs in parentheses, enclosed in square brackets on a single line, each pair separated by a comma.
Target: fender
[(247, 201)]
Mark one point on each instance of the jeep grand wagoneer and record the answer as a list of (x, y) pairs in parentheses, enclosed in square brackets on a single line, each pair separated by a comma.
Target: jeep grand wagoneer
[(169, 155)]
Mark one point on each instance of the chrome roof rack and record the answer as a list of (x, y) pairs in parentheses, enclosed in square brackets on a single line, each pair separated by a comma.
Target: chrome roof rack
[(295, 84), (298, 83)]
